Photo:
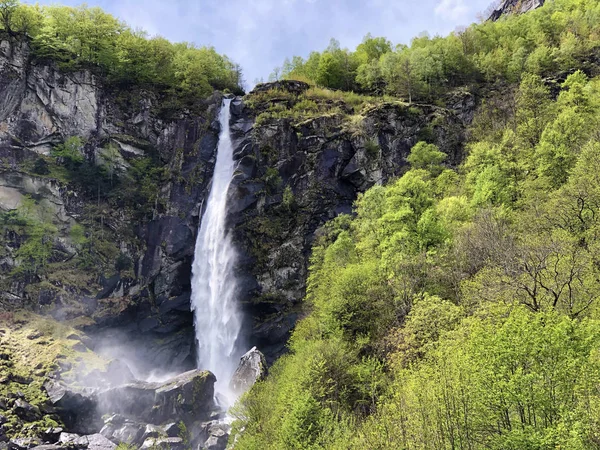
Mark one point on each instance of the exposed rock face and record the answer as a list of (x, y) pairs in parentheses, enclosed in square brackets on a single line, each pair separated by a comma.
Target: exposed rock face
[(291, 178), (515, 7), (252, 368), (323, 165), (42, 106)]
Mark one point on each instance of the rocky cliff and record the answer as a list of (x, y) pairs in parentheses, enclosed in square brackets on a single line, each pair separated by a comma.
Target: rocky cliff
[(296, 170), (507, 7), (102, 187)]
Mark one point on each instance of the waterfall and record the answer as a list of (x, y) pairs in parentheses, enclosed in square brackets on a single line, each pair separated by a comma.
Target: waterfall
[(216, 317)]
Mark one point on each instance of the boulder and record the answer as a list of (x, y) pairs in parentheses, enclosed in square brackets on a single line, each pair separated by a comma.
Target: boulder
[(252, 368), (26, 411), (76, 407), (95, 442), (129, 432), (218, 435), (188, 395), (23, 443), (170, 443), (52, 435)]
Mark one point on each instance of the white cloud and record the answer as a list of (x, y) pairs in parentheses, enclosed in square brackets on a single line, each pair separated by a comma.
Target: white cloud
[(454, 10)]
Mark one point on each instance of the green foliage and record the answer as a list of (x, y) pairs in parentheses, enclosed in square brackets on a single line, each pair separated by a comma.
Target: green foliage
[(69, 153), (40, 167), (32, 222), (554, 38), (83, 36), (272, 179), (288, 201), (426, 156)]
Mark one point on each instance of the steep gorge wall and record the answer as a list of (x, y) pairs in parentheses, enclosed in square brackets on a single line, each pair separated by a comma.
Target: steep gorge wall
[(42, 106), (292, 176)]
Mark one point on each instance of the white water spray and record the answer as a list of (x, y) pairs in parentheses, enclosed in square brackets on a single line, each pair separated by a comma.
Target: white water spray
[(216, 316)]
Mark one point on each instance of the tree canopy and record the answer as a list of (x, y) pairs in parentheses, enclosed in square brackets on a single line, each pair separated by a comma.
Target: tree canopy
[(544, 41), (87, 37)]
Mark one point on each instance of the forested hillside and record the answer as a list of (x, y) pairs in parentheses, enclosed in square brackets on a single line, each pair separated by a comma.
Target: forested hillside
[(558, 37), (458, 308), (84, 37)]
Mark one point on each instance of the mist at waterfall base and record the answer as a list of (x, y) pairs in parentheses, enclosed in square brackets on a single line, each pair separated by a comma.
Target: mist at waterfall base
[(217, 319)]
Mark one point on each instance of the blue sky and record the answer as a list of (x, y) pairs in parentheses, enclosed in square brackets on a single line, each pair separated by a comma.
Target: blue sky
[(259, 34)]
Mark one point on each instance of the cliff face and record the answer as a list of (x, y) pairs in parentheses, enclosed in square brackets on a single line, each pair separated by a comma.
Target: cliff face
[(298, 171), (294, 173), (42, 107), (515, 7)]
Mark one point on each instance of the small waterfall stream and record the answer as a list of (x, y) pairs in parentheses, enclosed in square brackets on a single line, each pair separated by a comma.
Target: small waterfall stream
[(217, 319)]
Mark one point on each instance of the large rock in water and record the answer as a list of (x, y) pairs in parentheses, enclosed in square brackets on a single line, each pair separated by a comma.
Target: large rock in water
[(252, 368), (187, 397)]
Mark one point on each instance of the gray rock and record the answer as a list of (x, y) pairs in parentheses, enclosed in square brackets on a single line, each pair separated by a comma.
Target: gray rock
[(168, 443), (69, 438), (24, 443), (130, 433), (52, 435), (26, 411), (172, 429), (187, 395), (515, 7), (94, 442), (252, 368), (49, 447), (77, 407), (218, 437), (152, 431)]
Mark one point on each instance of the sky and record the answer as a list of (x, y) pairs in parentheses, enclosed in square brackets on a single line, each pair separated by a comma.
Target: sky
[(260, 34)]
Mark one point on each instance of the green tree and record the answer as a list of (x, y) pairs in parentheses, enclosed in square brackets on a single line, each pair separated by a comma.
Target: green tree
[(426, 156)]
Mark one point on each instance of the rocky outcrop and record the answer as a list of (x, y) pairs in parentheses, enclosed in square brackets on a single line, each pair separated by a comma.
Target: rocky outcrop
[(187, 397), (294, 175), (41, 107), (507, 7), (291, 177), (252, 368)]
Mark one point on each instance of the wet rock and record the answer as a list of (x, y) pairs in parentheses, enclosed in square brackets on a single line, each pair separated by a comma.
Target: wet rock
[(252, 368), (52, 435), (130, 433), (170, 443), (218, 437), (76, 407), (95, 442), (71, 439), (186, 396), (152, 431), (49, 447)]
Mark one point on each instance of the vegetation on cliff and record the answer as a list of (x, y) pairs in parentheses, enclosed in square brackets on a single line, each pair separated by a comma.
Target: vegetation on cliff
[(558, 37), (84, 37), (459, 308)]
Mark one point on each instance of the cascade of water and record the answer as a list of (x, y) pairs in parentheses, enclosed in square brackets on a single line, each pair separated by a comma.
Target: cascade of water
[(216, 317)]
